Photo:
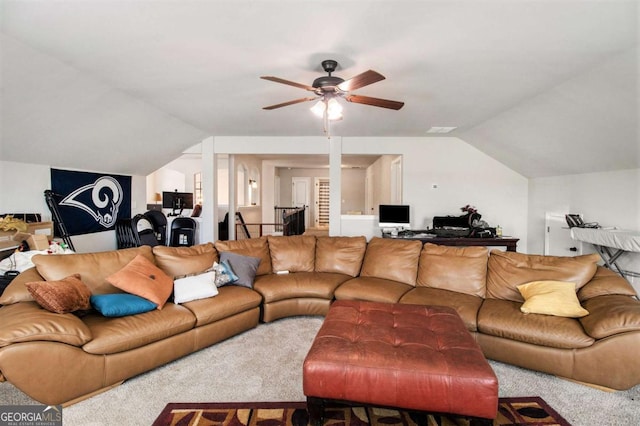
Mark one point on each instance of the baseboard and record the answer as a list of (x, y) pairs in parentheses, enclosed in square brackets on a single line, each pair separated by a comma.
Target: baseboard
[(89, 395)]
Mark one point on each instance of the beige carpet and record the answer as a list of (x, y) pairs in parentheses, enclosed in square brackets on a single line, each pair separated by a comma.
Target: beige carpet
[(265, 364)]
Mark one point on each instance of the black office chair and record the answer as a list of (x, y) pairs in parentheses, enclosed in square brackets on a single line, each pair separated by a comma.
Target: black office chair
[(159, 222), (183, 232)]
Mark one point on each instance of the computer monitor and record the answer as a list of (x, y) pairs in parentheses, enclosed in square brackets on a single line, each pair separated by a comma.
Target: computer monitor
[(394, 216), (177, 201)]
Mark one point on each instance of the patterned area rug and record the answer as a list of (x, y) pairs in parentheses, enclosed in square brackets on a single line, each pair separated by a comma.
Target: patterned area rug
[(529, 411)]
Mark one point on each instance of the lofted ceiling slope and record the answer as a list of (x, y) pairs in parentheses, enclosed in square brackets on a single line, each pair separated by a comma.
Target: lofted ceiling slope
[(546, 87)]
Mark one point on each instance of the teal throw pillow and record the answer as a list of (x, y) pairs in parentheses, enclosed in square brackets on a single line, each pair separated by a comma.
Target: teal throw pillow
[(121, 304)]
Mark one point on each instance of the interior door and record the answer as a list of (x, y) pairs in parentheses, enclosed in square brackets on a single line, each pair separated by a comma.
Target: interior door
[(557, 237), (300, 196)]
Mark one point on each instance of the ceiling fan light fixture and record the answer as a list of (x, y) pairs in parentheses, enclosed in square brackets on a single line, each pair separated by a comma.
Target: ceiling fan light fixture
[(319, 108), (334, 109)]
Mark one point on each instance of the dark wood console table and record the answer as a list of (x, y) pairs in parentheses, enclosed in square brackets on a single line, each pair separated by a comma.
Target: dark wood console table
[(510, 243)]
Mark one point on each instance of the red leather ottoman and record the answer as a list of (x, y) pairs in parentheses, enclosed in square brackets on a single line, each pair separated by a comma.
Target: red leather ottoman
[(396, 355)]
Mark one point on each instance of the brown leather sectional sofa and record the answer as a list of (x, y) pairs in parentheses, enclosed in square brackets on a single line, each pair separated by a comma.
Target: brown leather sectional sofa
[(61, 358)]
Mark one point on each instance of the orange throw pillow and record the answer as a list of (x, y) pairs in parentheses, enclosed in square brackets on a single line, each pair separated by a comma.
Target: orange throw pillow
[(67, 295), (142, 278)]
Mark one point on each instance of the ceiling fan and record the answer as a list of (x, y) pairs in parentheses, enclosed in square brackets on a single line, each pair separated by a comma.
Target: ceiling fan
[(328, 88)]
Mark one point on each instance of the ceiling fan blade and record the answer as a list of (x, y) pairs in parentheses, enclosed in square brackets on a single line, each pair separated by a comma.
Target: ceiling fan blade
[(295, 101), (360, 80), (290, 83), (383, 103)]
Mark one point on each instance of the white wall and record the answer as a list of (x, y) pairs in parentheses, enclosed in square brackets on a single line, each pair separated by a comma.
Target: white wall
[(609, 198), (25, 194), (463, 174)]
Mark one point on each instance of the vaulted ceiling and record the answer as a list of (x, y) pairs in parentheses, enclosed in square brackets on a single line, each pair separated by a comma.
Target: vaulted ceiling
[(546, 87)]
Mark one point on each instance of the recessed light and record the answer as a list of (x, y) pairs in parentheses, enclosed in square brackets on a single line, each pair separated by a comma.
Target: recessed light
[(436, 129)]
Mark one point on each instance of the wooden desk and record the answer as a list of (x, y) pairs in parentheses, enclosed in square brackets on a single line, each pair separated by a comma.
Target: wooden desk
[(509, 243)]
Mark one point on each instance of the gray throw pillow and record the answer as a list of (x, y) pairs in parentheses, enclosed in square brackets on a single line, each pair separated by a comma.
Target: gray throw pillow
[(244, 267)]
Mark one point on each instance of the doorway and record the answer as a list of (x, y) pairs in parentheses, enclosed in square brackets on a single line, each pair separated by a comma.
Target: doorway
[(300, 196)]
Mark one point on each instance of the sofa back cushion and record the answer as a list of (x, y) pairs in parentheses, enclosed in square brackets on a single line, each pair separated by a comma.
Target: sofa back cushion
[(180, 261), (392, 259), (254, 247), (293, 253), (93, 268), (342, 255), (459, 269), (507, 270)]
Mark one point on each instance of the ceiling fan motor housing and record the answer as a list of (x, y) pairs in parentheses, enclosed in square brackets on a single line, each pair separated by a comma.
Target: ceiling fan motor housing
[(327, 83)]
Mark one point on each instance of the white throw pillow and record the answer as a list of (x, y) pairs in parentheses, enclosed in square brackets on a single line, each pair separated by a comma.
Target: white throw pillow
[(194, 287)]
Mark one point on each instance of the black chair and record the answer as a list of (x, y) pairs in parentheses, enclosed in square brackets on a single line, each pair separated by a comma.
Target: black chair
[(135, 232), (159, 222), (183, 232)]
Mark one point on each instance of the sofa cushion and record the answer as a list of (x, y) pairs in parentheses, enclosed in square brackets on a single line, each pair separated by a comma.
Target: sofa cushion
[(391, 259), (142, 278), (244, 268), (551, 298), (28, 321), (460, 269), (113, 335), (372, 289), (467, 306), (342, 255), (294, 254), (503, 318), (94, 268), (121, 304), (319, 285), (254, 247), (507, 270), (609, 315), (194, 287), (69, 294), (177, 261), (606, 282), (231, 300)]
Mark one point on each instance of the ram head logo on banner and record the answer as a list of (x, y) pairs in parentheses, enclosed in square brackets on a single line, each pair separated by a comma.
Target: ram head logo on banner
[(106, 196), (91, 202)]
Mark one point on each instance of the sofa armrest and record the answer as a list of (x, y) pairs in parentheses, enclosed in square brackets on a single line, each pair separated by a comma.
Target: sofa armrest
[(605, 282), (16, 291), (27, 321), (611, 314)]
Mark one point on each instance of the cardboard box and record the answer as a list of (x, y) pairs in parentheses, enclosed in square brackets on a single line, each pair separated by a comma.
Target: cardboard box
[(40, 228), (35, 241)]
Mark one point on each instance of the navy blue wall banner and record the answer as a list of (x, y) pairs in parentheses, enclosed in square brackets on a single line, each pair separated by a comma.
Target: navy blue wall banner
[(91, 202)]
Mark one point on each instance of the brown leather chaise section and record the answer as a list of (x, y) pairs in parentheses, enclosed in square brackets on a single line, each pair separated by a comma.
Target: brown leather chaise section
[(507, 270)]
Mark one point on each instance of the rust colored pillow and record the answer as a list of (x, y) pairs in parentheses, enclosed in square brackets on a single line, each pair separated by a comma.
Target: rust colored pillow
[(69, 294), (142, 278)]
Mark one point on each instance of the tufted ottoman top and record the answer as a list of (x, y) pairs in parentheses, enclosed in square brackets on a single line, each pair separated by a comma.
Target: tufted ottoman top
[(406, 356)]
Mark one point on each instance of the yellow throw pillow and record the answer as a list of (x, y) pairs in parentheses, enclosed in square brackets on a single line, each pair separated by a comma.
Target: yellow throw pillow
[(551, 298)]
